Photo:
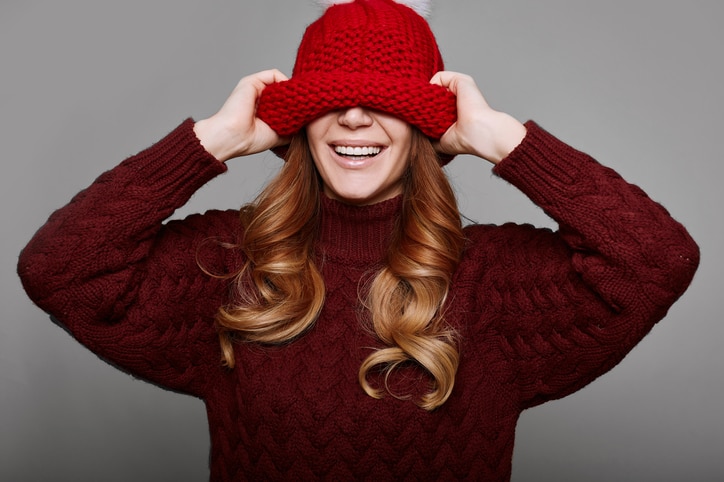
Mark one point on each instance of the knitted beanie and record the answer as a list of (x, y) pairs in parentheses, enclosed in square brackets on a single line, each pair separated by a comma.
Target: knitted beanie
[(378, 54)]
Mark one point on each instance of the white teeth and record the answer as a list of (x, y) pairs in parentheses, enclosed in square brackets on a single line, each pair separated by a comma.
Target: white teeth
[(357, 151)]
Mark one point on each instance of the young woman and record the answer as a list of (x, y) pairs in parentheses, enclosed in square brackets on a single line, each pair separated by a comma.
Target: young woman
[(345, 325)]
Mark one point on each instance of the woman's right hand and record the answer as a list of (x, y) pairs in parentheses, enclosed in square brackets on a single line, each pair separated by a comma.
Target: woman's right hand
[(235, 130)]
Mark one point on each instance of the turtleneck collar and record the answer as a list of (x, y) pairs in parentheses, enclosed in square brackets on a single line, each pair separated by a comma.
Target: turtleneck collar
[(356, 235)]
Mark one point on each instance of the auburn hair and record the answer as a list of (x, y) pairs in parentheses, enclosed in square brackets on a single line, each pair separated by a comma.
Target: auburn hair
[(280, 291)]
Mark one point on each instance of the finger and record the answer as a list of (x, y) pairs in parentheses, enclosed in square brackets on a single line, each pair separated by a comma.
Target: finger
[(436, 78), (442, 78), (270, 76), (448, 79), (261, 80), (279, 76)]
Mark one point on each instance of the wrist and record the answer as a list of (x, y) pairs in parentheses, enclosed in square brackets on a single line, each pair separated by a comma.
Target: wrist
[(508, 134), (214, 139)]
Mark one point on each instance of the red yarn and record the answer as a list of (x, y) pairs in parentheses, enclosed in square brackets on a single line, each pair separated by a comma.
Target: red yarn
[(372, 53)]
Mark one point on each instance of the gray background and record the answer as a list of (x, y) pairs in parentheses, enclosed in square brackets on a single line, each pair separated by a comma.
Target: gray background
[(635, 83)]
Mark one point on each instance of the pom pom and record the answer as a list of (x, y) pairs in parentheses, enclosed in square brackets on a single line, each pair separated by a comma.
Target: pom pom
[(422, 7), (329, 3)]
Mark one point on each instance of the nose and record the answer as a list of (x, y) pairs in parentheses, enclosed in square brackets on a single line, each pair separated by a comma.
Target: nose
[(355, 117)]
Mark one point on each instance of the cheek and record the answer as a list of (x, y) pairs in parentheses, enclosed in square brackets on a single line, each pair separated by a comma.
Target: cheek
[(399, 173), (317, 128), (403, 161), (317, 159)]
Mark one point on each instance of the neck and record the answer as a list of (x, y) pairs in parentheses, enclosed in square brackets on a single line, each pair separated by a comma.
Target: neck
[(357, 235)]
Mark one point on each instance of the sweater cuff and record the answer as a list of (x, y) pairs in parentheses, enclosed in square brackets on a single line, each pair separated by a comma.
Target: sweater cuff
[(541, 163), (176, 166)]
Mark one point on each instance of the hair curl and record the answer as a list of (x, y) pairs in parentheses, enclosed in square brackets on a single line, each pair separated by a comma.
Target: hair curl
[(280, 291)]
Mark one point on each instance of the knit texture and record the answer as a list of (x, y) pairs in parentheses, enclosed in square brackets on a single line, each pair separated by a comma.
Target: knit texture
[(372, 53), (540, 313)]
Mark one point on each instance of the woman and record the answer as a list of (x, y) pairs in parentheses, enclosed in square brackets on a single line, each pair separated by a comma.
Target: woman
[(345, 325)]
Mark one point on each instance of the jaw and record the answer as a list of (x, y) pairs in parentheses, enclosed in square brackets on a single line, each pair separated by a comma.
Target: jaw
[(360, 187)]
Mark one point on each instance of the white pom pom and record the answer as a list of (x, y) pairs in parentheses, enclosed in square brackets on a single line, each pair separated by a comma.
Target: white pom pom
[(422, 7), (329, 3)]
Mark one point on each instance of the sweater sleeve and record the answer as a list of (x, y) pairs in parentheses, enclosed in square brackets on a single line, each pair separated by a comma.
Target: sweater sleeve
[(121, 281), (595, 287)]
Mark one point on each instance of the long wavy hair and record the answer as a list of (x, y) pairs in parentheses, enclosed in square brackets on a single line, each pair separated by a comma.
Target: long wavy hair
[(280, 291)]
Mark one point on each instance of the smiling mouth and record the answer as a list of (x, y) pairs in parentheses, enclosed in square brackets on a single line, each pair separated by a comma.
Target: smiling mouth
[(358, 152)]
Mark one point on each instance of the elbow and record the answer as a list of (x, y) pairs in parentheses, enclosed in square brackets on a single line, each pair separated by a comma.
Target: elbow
[(32, 275), (684, 263), (37, 269), (669, 272), (677, 266)]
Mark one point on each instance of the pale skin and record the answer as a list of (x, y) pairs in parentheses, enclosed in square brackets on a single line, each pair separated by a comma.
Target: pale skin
[(360, 179), (235, 131)]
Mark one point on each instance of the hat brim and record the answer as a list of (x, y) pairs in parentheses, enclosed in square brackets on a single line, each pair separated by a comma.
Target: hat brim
[(290, 105)]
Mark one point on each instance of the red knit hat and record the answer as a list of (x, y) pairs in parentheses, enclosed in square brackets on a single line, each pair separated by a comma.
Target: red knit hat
[(373, 53)]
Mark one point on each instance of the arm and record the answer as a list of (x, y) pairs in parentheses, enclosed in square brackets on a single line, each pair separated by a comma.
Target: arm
[(129, 286), (619, 261), (595, 287), (96, 262)]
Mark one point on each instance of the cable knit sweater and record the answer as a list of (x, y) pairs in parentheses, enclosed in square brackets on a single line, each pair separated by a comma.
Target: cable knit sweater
[(540, 313)]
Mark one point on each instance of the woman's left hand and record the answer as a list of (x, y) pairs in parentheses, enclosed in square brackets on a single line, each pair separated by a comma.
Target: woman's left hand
[(479, 130)]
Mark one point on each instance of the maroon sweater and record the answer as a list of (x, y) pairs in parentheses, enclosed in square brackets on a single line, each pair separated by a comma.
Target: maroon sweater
[(540, 313)]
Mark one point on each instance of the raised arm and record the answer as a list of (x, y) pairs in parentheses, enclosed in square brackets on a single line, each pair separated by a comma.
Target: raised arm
[(568, 304), (131, 287)]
